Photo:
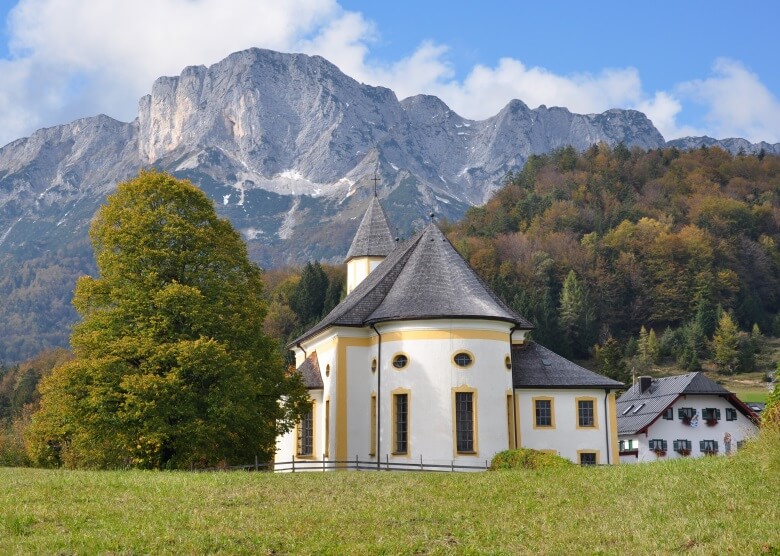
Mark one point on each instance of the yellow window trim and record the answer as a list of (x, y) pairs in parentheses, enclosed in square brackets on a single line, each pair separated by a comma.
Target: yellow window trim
[(372, 424), (397, 354), (326, 448), (393, 394), (473, 391), (313, 454), (463, 367), (595, 412), (597, 452), (613, 437), (551, 426)]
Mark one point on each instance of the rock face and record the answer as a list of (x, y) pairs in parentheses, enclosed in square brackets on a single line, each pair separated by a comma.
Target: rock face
[(732, 145), (285, 145)]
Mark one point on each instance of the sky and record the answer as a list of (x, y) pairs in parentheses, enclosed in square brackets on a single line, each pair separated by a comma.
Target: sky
[(694, 67)]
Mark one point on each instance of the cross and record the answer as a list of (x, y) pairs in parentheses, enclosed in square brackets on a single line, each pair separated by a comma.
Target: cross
[(375, 179)]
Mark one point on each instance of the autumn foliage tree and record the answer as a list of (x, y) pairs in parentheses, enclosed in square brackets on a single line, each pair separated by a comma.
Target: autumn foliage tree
[(171, 366)]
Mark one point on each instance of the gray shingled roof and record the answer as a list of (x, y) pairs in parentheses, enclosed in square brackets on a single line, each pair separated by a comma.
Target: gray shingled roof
[(425, 278), (535, 366), (662, 393), (310, 372), (373, 237)]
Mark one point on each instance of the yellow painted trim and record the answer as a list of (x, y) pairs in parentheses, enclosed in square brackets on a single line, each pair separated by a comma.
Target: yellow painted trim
[(313, 454), (594, 401), (453, 334), (552, 412), (372, 421), (393, 394), (326, 451), (473, 391), (510, 419), (397, 354), (519, 422), (613, 436), (467, 352), (597, 452)]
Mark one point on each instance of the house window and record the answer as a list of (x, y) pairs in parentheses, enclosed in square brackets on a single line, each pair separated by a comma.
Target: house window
[(682, 446), (373, 365), (669, 414), (686, 414), (400, 360), (401, 423), (508, 363), (710, 414), (740, 444), (731, 414), (622, 446), (657, 445), (626, 410), (463, 359), (586, 413), (544, 416), (640, 406), (464, 422), (588, 458), (372, 446), (305, 444), (708, 446)]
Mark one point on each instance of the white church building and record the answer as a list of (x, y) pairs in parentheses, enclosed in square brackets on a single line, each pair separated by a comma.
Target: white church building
[(422, 363)]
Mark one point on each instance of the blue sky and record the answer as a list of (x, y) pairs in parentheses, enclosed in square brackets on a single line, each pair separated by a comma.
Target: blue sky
[(694, 67)]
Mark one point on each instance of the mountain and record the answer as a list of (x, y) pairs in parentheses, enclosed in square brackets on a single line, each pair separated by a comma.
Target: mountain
[(285, 145), (732, 145)]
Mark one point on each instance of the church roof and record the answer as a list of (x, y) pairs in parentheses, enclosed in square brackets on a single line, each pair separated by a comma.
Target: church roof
[(310, 372), (663, 392), (373, 237), (535, 366), (426, 278)]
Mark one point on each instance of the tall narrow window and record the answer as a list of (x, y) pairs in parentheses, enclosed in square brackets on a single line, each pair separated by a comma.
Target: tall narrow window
[(464, 421), (372, 447), (586, 416), (306, 434), (327, 428), (510, 420), (401, 422)]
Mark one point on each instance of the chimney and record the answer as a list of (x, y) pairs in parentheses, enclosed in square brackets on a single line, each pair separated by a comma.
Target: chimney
[(644, 383)]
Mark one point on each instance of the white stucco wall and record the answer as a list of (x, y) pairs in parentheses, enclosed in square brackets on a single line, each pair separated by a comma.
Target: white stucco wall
[(670, 431), (359, 268), (565, 438)]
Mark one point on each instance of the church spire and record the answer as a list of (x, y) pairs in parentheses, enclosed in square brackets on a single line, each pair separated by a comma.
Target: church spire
[(373, 242)]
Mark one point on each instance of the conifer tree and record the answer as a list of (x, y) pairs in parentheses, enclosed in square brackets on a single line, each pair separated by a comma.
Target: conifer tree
[(653, 347), (725, 344), (644, 355), (171, 367)]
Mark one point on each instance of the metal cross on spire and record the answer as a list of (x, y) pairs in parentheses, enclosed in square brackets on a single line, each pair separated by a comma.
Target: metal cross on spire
[(375, 179)]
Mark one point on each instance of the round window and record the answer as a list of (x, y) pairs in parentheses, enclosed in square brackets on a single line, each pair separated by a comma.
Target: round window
[(400, 361), (508, 363), (463, 359), (373, 365)]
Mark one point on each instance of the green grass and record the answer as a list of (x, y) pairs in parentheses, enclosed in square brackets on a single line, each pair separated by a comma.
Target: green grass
[(704, 506)]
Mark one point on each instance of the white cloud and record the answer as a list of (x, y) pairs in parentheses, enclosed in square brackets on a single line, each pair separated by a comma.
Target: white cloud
[(737, 103)]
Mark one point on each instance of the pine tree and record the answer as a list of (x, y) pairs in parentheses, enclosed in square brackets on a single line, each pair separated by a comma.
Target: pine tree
[(725, 344), (171, 366), (653, 348), (644, 354), (610, 360), (576, 315)]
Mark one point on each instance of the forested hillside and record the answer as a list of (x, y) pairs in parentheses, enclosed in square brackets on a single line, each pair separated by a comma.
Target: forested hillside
[(604, 242)]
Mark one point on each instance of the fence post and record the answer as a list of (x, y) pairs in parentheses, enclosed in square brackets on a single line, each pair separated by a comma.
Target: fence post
[(323, 463), (452, 466), (387, 462), (486, 464), (257, 466), (421, 465), (293, 463), (357, 467)]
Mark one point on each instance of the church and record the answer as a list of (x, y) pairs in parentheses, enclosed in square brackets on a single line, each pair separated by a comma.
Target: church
[(423, 363)]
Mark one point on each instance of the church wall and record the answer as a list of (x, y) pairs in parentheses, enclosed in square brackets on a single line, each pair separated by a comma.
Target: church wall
[(431, 379), (359, 268), (564, 436)]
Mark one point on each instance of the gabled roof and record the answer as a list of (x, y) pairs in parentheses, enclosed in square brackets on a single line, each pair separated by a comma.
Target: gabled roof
[(662, 393), (310, 372), (373, 237), (425, 278), (535, 366)]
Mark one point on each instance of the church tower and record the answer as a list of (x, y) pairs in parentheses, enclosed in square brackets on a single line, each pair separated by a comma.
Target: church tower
[(373, 242)]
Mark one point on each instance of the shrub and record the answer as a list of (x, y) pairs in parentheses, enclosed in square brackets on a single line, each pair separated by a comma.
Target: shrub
[(525, 458)]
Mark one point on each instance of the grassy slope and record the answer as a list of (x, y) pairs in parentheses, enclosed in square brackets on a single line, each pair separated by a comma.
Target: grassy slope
[(705, 506)]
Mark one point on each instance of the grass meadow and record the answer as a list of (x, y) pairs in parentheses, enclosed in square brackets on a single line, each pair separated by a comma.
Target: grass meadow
[(713, 505)]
